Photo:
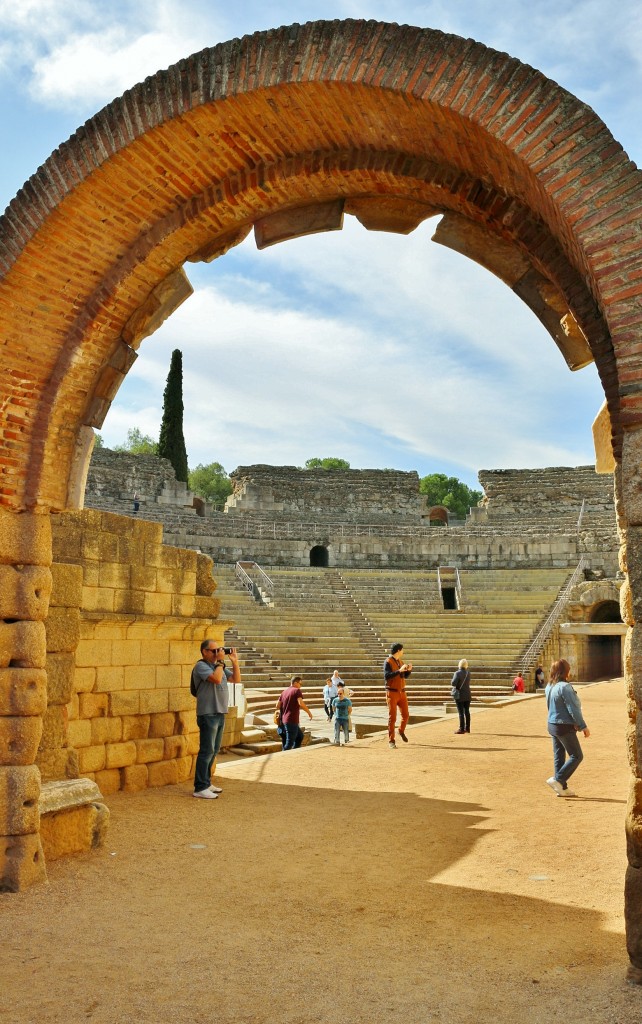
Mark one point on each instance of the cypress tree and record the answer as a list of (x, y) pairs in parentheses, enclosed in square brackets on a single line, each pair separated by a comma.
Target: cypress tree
[(171, 443)]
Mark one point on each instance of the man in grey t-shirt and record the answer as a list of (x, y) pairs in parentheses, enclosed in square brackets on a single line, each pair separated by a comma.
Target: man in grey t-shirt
[(209, 682)]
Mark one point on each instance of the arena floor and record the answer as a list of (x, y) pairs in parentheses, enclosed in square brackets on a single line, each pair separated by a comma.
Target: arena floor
[(438, 882)]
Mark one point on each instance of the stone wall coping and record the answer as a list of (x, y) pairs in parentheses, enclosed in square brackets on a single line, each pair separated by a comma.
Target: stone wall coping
[(64, 794)]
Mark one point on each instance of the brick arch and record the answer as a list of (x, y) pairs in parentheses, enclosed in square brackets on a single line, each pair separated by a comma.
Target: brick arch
[(282, 131)]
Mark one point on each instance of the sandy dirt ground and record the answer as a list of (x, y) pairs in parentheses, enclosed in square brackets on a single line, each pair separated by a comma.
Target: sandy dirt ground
[(442, 881)]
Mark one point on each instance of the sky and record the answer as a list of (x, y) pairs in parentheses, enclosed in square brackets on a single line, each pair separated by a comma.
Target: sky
[(297, 351)]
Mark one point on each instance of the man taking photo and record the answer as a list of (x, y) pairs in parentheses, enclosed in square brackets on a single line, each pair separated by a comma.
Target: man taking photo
[(209, 686)]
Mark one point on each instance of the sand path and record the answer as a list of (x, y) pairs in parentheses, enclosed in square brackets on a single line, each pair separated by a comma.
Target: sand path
[(441, 881)]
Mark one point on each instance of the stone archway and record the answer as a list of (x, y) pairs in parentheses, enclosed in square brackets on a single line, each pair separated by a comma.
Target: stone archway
[(284, 132)]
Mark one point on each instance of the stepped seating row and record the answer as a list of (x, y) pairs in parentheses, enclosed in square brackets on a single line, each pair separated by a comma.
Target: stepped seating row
[(302, 635)]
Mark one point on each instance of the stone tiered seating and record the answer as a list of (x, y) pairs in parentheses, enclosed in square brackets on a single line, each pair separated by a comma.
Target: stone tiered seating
[(314, 627)]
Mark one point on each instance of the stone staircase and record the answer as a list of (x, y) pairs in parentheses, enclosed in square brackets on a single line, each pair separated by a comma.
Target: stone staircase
[(324, 619)]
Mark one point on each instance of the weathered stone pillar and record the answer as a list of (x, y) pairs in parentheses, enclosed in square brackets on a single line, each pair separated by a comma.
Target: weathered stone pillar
[(25, 586), (628, 504)]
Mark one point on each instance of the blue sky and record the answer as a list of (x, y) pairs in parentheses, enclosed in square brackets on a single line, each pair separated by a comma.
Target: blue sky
[(301, 346)]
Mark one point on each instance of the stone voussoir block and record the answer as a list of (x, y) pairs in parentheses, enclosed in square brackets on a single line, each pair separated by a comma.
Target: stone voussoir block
[(22, 645), (22, 862), (24, 591), (19, 739), (23, 691), (19, 793)]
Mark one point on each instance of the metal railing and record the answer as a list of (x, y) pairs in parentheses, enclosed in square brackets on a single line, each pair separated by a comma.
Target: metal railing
[(532, 652), (448, 575), (256, 587), (579, 518)]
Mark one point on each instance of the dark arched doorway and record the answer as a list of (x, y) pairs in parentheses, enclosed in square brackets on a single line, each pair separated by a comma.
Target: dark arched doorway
[(319, 556), (604, 651)]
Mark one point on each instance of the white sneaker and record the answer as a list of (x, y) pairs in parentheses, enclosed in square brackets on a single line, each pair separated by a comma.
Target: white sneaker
[(567, 792), (555, 786), (205, 794), (215, 789)]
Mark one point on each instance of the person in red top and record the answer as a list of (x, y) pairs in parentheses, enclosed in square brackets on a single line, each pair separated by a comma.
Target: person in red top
[(518, 683), (395, 673), (290, 705)]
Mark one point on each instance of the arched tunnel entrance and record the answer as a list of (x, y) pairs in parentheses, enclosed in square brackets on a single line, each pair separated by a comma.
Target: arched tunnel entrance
[(319, 556), (285, 133), (604, 655)]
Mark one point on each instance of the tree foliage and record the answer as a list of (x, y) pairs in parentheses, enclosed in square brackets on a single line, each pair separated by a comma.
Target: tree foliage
[(211, 482), (138, 443), (457, 497), (171, 443), (98, 440), (327, 464)]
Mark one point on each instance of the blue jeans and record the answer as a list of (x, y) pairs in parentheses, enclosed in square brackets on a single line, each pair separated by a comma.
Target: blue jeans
[(293, 735), (463, 707), (339, 725), (565, 743), (211, 729)]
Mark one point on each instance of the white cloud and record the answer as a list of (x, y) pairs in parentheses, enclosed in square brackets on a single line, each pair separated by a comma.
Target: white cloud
[(296, 351), (285, 358)]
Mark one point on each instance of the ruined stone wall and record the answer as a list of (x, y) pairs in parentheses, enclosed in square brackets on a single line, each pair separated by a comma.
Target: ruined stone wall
[(128, 615), (547, 494), (114, 477), (367, 495)]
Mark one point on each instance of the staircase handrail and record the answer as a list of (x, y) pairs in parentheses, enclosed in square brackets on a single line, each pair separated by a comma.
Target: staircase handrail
[(243, 578), (579, 518), (249, 583), (453, 570), (552, 619)]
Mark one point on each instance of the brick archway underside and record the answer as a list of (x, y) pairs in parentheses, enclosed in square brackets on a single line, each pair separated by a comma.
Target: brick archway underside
[(393, 124), (285, 132)]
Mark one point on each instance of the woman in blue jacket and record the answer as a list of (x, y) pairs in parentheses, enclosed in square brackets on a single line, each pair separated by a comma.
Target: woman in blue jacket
[(565, 720)]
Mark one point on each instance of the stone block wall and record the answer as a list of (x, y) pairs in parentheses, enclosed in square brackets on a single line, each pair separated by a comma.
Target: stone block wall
[(124, 630)]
